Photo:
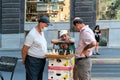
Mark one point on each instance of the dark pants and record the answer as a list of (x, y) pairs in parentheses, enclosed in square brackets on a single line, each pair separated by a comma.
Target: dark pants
[(34, 68)]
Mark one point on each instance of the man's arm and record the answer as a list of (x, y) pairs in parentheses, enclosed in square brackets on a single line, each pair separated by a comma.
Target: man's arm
[(70, 41), (55, 41), (91, 45), (24, 52), (60, 41)]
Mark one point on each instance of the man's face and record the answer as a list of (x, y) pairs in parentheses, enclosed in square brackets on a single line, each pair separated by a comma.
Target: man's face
[(64, 36), (42, 25), (45, 25), (78, 26)]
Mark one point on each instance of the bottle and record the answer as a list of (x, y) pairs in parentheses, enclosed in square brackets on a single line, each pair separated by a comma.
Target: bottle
[(57, 52), (53, 51), (65, 52)]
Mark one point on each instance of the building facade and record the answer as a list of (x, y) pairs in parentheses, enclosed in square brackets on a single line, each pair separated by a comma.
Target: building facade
[(11, 23), (105, 13)]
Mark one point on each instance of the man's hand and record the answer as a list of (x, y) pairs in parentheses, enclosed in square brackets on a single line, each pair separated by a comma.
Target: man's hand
[(64, 46), (86, 53)]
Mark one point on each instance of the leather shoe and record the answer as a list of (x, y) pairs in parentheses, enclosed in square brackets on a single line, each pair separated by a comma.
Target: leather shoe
[(97, 53)]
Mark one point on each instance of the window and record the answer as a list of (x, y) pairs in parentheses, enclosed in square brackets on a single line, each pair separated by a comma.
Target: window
[(108, 10), (56, 10)]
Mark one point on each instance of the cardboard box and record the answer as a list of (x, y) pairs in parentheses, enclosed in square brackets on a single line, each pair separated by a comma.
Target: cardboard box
[(60, 74), (60, 67), (61, 62)]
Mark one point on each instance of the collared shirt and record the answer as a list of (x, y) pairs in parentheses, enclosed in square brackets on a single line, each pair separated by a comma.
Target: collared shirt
[(37, 44), (86, 37)]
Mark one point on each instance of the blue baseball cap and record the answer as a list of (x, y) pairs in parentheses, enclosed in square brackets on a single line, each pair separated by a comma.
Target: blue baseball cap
[(44, 19)]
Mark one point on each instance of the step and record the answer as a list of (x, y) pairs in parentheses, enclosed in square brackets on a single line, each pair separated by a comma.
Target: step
[(101, 78), (106, 60)]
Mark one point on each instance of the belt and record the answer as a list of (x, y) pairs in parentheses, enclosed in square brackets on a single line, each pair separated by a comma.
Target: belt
[(83, 58)]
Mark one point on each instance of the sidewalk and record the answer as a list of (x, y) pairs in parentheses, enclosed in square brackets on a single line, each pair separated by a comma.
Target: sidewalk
[(109, 52), (11, 53), (107, 55)]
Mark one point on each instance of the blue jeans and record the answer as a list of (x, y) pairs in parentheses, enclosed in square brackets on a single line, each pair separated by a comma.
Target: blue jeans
[(34, 68)]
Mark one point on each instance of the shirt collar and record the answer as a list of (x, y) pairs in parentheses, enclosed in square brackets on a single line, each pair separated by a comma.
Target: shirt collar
[(83, 28)]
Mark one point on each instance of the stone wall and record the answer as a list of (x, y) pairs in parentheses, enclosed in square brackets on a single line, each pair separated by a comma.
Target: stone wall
[(11, 23), (112, 26), (113, 32), (86, 9)]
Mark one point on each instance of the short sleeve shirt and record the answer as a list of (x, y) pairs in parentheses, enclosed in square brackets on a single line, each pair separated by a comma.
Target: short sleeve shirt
[(37, 44), (86, 37)]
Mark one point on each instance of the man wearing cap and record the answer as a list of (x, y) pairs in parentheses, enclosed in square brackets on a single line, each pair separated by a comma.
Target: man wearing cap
[(64, 40), (34, 49), (84, 49)]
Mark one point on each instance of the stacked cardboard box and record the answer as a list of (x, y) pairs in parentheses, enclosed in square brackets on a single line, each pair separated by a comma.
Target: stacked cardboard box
[(60, 68)]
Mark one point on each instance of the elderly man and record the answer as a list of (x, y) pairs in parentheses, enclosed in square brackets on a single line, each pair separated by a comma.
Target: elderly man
[(65, 42), (84, 49), (34, 50)]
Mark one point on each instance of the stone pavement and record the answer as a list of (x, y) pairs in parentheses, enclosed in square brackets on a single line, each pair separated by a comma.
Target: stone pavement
[(104, 51), (107, 56)]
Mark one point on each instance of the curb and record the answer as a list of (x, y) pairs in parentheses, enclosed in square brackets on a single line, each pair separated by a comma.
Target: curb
[(106, 61), (105, 78)]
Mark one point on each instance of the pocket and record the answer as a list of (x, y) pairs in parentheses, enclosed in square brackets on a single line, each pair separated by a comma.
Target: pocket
[(76, 61)]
